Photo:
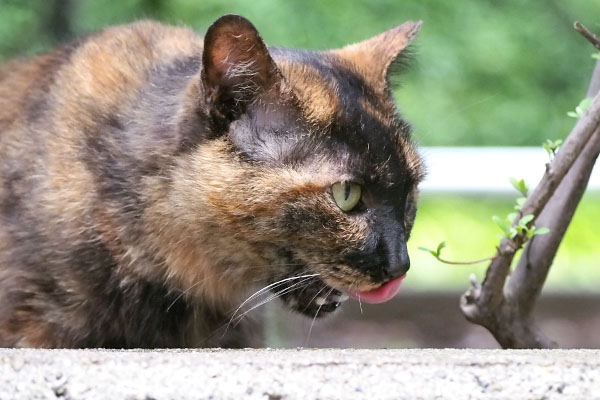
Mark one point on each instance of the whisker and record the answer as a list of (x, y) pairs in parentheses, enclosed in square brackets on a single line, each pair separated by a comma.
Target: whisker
[(314, 319), (306, 287), (314, 297), (360, 304), (274, 284), (186, 291), (270, 298), (239, 318), (183, 293)]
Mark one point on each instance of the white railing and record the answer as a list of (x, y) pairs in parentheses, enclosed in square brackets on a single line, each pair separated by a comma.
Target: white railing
[(485, 169)]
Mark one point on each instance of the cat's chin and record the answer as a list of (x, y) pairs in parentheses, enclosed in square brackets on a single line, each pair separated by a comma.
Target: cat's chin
[(318, 298), (315, 299)]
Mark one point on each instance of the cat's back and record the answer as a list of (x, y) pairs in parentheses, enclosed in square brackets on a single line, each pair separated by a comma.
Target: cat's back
[(52, 104), (99, 72), (54, 219), (53, 107)]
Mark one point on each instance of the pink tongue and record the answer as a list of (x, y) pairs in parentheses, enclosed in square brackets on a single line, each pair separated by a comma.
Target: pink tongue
[(382, 294)]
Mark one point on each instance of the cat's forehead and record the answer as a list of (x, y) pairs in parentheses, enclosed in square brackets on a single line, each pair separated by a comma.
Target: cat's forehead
[(347, 119), (327, 86)]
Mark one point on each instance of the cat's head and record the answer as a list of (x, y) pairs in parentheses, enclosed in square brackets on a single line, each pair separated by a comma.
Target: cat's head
[(308, 180)]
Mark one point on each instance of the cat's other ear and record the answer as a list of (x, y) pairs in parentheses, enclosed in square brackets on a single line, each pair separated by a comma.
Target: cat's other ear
[(374, 57), (236, 67)]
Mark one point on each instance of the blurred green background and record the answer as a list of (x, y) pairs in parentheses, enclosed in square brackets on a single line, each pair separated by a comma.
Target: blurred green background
[(485, 73)]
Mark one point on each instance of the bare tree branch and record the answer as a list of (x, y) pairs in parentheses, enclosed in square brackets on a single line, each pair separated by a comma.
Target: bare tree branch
[(506, 309), (528, 278), (593, 39), (492, 288), (594, 88)]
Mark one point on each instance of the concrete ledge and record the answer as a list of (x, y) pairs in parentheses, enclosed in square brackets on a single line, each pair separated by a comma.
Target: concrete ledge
[(299, 374)]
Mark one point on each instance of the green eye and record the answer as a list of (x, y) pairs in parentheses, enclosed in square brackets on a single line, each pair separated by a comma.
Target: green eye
[(346, 195)]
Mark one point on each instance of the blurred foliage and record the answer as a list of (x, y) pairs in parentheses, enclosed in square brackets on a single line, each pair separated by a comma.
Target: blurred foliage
[(486, 72), (465, 223)]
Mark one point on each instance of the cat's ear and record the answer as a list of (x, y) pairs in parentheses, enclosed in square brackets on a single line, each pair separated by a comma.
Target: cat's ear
[(374, 57), (236, 67)]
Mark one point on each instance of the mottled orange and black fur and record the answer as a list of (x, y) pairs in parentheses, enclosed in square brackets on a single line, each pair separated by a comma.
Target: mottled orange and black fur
[(151, 179)]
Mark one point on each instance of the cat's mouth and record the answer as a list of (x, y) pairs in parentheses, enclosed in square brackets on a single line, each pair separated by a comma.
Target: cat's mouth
[(314, 298), (318, 298), (380, 294)]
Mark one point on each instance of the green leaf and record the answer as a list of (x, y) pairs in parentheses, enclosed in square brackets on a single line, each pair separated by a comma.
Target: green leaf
[(548, 150), (596, 56), (440, 247), (551, 146), (435, 253), (584, 105), (428, 251), (514, 182), (500, 222), (520, 201), (581, 108), (526, 219), (520, 185), (541, 231)]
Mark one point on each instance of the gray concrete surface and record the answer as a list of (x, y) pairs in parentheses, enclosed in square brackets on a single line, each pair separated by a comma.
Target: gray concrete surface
[(299, 374)]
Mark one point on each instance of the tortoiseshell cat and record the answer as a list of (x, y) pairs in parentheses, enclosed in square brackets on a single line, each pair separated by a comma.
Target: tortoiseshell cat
[(152, 179)]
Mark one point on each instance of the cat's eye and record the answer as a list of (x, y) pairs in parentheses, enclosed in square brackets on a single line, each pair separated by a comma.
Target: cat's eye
[(346, 195)]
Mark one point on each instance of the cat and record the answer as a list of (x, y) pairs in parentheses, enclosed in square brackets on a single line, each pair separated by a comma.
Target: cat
[(151, 180)]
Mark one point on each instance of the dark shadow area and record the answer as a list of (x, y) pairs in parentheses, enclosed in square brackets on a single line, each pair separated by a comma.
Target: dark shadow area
[(431, 320)]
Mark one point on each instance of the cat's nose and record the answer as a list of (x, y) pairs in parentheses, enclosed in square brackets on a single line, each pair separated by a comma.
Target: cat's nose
[(392, 249), (398, 262)]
